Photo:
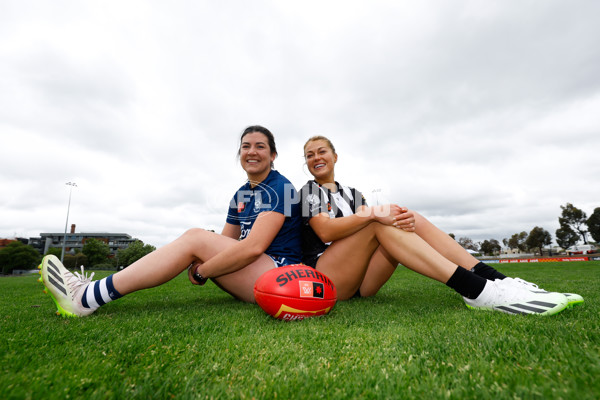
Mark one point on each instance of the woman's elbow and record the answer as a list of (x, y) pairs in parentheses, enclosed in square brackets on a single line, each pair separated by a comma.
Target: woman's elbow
[(325, 237), (255, 250)]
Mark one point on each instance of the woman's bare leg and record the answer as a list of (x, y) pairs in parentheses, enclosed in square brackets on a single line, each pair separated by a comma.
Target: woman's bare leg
[(379, 271), (382, 265), (413, 252), (240, 284), (345, 262), (443, 243), (167, 262), (195, 245)]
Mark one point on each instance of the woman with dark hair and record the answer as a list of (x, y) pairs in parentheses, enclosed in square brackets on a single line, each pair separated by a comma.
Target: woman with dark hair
[(358, 247), (262, 231)]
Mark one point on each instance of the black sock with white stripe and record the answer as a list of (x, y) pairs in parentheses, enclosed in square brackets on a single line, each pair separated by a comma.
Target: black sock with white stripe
[(466, 283), (99, 293), (487, 272)]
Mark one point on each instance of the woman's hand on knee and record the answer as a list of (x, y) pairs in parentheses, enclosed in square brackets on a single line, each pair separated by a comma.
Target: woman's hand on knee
[(405, 220), (385, 214)]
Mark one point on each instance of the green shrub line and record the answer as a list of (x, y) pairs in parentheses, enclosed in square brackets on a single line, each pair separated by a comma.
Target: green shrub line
[(413, 340)]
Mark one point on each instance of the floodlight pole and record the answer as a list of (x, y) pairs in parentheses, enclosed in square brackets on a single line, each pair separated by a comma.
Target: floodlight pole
[(62, 254), (376, 195)]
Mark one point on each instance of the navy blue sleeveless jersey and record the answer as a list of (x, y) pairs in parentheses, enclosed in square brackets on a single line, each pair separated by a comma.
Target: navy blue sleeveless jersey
[(275, 193)]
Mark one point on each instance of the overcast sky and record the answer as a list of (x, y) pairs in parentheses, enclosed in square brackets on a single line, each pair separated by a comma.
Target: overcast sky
[(484, 116)]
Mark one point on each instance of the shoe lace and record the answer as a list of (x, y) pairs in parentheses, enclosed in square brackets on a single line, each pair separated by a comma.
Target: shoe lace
[(525, 283), (77, 280)]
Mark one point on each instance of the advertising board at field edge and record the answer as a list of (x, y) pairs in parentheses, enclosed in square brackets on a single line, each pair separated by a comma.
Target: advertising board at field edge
[(540, 260)]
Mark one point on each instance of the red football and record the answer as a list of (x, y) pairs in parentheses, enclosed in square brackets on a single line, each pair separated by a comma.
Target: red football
[(295, 292)]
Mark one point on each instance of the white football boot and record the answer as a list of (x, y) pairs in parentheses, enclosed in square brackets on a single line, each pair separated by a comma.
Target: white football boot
[(65, 289), (502, 296), (573, 298)]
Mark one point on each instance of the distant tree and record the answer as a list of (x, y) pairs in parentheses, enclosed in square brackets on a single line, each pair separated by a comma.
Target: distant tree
[(467, 243), (574, 218), (55, 251), (566, 237), (18, 256), (452, 236), (518, 241), (593, 224), (74, 261), (538, 238), (97, 252), (490, 247), (134, 252)]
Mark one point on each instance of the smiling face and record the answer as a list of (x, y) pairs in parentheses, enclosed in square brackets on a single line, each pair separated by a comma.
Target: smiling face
[(256, 156), (320, 160)]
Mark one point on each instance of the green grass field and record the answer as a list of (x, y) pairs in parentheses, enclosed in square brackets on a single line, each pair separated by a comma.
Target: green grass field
[(415, 339)]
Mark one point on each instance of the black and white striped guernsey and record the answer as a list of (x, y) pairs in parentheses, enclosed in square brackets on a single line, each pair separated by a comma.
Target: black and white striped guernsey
[(316, 199)]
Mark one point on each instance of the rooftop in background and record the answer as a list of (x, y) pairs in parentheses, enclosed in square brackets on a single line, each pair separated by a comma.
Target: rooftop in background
[(76, 240), (6, 242)]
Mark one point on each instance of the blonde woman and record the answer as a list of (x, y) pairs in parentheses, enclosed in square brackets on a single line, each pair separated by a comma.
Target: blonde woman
[(358, 247)]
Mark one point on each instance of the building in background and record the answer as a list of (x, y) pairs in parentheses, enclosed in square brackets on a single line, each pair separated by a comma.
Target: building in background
[(76, 240), (6, 242)]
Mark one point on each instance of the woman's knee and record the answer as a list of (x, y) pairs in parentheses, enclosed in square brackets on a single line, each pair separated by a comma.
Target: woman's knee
[(193, 234), (422, 224), (192, 240), (366, 291)]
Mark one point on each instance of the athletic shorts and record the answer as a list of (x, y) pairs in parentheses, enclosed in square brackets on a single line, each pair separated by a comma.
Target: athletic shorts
[(311, 260), (281, 261)]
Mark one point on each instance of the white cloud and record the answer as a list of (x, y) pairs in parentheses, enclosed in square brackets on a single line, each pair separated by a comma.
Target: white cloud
[(481, 116)]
